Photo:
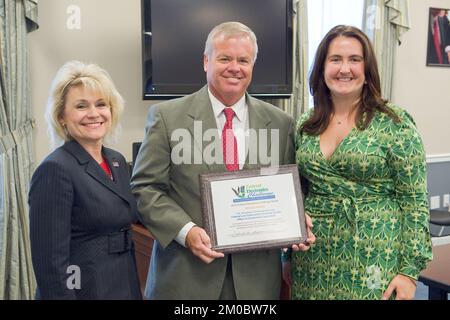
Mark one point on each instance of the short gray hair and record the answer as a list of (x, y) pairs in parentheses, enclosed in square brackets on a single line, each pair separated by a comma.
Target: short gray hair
[(90, 76), (228, 30)]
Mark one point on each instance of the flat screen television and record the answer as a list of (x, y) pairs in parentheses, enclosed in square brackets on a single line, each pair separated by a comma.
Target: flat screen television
[(173, 40)]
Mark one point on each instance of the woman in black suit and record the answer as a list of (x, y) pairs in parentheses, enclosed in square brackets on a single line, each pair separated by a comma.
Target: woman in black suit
[(81, 206)]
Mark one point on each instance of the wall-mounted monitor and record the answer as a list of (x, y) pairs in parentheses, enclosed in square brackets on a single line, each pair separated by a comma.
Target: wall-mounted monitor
[(173, 40)]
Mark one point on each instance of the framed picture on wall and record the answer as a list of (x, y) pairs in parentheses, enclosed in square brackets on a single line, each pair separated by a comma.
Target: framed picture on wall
[(438, 51)]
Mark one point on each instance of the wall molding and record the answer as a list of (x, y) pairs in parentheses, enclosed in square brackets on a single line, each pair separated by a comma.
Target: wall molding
[(435, 158)]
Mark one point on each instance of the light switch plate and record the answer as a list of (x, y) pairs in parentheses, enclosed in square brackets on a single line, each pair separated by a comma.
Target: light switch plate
[(435, 202), (446, 200)]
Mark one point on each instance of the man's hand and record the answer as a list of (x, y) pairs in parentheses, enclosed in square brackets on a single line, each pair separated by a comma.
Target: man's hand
[(309, 241), (404, 286), (199, 243)]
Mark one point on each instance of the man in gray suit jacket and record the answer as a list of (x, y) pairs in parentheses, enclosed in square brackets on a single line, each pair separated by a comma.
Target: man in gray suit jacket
[(166, 178)]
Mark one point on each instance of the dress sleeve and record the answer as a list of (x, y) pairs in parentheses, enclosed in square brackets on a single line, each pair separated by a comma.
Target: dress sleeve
[(50, 199), (408, 167)]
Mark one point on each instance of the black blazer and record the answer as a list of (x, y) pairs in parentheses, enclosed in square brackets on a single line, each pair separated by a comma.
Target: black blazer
[(80, 217)]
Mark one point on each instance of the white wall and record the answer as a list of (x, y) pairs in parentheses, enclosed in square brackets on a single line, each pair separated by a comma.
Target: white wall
[(110, 36), (423, 91)]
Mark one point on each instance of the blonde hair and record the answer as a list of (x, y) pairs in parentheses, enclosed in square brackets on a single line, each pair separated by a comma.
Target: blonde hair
[(229, 30), (90, 76)]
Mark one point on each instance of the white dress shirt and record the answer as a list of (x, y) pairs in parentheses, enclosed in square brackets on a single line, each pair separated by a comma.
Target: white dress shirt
[(240, 129)]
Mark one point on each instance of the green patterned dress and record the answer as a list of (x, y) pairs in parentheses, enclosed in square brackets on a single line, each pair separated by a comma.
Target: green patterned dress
[(369, 206)]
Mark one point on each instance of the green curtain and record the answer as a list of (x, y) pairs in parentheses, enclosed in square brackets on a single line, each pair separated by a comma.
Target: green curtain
[(298, 102), (384, 22), (17, 18)]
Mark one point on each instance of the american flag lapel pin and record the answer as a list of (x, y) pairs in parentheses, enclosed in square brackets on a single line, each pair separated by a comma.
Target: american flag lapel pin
[(115, 163)]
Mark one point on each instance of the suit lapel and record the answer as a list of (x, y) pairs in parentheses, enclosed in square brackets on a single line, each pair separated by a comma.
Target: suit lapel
[(201, 118), (259, 125), (120, 173), (95, 171)]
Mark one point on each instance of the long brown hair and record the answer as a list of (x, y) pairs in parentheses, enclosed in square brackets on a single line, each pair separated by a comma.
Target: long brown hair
[(371, 100)]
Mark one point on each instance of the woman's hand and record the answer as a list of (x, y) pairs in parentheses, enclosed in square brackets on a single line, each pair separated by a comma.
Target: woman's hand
[(309, 241), (405, 288)]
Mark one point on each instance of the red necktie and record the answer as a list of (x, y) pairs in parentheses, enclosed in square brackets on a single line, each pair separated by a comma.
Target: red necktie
[(437, 40), (229, 143)]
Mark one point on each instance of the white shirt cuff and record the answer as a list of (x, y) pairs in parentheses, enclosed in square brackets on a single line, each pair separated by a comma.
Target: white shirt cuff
[(447, 49), (181, 236)]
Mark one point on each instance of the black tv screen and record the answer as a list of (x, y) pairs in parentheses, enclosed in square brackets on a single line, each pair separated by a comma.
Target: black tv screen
[(173, 40)]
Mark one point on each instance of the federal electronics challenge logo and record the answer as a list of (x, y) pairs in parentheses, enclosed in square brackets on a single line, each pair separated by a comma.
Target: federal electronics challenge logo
[(252, 192)]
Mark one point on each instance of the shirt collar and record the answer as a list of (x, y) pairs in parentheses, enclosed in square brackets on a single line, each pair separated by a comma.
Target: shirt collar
[(239, 108)]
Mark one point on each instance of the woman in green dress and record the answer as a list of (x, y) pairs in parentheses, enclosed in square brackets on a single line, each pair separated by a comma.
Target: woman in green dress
[(365, 167)]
